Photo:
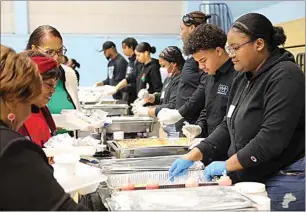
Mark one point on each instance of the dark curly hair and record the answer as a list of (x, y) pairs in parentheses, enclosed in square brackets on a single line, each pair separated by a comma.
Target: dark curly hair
[(204, 37)]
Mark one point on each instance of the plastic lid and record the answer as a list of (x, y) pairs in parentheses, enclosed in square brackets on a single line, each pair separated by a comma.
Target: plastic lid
[(250, 187)]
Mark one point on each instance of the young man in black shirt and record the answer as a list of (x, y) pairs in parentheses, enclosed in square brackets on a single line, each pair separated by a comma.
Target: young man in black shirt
[(206, 44), (117, 66), (128, 46)]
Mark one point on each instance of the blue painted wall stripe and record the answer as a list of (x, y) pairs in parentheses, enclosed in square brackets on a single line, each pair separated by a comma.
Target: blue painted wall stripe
[(21, 18)]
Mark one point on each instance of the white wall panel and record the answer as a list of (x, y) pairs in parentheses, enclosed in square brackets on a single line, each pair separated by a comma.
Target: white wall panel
[(7, 17), (108, 17)]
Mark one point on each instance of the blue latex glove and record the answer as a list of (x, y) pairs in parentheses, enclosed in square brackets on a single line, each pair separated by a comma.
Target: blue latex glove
[(216, 168), (180, 167)]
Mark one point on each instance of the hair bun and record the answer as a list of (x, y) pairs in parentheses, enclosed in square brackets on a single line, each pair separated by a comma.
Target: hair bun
[(153, 49), (278, 37)]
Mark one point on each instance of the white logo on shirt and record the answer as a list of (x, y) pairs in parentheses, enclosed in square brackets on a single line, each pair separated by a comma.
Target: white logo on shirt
[(222, 89), (253, 159), (111, 72)]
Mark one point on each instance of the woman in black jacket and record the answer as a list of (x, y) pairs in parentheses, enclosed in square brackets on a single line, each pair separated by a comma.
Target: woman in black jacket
[(171, 61), (26, 179), (264, 129), (146, 76)]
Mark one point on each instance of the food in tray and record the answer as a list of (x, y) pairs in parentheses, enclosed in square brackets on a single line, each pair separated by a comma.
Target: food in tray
[(152, 185), (128, 187), (151, 142), (225, 181), (191, 182)]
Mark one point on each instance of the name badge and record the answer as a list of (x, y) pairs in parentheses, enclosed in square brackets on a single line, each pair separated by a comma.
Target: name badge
[(162, 95), (230, 111)]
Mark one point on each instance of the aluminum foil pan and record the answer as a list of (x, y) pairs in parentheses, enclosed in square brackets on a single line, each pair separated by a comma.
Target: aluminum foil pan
[(201, 198), (116, 181), (128, 165)]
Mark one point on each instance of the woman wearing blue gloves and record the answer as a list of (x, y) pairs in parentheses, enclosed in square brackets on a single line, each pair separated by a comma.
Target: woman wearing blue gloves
[(264, 129)]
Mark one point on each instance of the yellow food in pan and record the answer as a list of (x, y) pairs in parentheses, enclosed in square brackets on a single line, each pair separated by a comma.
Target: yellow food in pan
[(152, 142)]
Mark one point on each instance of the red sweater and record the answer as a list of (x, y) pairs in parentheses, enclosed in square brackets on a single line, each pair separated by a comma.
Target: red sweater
[(39, 127)]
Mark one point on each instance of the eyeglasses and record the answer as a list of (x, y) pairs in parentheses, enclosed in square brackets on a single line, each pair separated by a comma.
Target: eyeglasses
[(232, 50), (49, 86), (51, 52)]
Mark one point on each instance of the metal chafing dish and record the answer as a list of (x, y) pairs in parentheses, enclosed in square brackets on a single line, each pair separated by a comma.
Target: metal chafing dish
[(102, 101), (131, 124), (112, 109), (170, 147)]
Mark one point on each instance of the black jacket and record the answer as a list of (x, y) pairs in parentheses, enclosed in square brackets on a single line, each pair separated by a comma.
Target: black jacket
[(129, 92), (216, 96), (26, 179), (167, 97), (265, 123), (190, 90), (148, 75), (116, 72)]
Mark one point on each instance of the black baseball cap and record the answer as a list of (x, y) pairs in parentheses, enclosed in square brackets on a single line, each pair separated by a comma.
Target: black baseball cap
[(107, 45)]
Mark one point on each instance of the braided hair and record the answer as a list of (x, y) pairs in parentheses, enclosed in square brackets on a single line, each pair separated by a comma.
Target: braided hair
[(173, 54)]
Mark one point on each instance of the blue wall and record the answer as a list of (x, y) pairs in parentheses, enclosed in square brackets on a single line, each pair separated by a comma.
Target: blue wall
[(84, 48)]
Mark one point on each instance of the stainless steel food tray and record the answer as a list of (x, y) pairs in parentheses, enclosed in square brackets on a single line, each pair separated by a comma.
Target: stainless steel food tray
[(136, 152), (103, 101), (112, 109), (131, 124), (129, 165), (189, 199)]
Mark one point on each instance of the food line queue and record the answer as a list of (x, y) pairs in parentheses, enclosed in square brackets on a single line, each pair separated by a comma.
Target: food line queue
[(240, 91)]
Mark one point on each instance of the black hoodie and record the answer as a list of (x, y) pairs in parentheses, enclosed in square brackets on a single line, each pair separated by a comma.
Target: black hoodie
[(265, 123), (147, 76)]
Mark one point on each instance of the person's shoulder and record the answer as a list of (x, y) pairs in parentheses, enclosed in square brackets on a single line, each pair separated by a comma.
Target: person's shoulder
[(67, 68), (121, 59), (287, 69), (12, 142), (155, 63)]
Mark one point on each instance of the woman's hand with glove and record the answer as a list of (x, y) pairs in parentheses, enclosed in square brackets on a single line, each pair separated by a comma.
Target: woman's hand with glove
[(139, 110), (191, 131)]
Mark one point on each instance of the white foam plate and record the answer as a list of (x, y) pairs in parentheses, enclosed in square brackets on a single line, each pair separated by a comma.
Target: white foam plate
[(80, 150), (86, 179)]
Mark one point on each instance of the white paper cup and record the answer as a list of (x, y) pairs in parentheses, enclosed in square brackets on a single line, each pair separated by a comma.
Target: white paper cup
[(65, 165)]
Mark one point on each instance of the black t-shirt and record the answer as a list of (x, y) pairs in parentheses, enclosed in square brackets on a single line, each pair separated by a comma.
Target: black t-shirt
[(217, 90), (129, 92), (116, 72), (148, 77)]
